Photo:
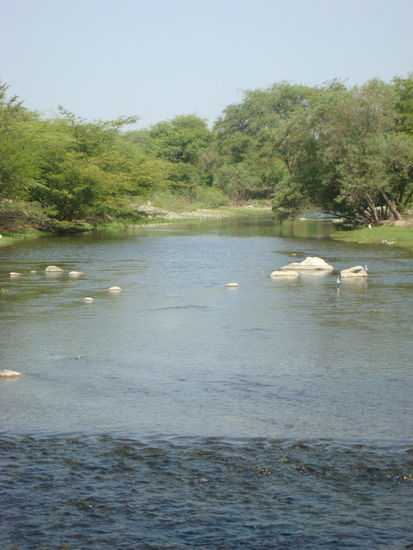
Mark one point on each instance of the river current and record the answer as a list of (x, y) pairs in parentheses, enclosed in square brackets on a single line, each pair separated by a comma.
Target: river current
[(180, 413)]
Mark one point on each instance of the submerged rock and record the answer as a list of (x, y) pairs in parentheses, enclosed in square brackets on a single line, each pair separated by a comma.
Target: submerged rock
[(285, 274), (75, 274), (114, 289), (356, 271), (88, 300), (6, 373), (311, 263), (53, 269), (14, 274), (232, 285)]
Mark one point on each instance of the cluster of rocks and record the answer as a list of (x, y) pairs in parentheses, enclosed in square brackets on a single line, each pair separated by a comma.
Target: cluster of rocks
[(313, 264), (291, 271), (55, 270), (52, 270)]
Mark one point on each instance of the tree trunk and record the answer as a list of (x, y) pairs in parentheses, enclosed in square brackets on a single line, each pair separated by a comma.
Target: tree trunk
[(373, 210), (391, 205), (409, 196)]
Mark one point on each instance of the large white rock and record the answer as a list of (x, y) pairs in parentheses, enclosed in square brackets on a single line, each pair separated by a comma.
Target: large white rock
[(311, 263), (53, 269), (285, 274), (356, 271), (6, 373)]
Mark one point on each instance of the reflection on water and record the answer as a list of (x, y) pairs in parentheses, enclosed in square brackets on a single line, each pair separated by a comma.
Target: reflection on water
[(219, 377)]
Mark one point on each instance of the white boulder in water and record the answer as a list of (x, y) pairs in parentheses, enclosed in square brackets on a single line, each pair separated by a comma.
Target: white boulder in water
[(74, 274), (88, 300), (114, 289), (311, 263), (14, 274), (6, 373), (285, 274), (232, 285), (53, 269), (356, 271)]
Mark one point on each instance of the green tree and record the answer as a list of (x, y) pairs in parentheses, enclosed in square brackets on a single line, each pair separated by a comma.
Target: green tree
[(343, 153), (251, 134), (180, 143), (20, 147), (404, 105)]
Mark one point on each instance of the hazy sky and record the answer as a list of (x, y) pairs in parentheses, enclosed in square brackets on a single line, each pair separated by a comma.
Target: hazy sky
[(160, 58)]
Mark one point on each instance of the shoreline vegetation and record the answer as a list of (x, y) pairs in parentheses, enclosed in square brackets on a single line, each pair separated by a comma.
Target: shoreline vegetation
[(328, 148), (398, 235), (152, 216), (385, 235)]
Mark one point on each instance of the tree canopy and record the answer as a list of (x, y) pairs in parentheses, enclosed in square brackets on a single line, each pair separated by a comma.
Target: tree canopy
[(343, 149)]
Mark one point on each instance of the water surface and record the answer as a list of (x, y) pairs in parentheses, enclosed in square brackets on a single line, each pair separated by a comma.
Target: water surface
[(252, 412)]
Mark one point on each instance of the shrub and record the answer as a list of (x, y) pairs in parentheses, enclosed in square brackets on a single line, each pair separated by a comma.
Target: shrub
[(18, 215)]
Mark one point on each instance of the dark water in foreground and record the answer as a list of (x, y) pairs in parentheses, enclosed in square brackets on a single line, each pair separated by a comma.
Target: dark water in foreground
[(182, 414), (97, 492)]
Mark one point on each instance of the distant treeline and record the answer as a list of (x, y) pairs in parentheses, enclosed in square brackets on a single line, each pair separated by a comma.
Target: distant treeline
[(343, 149)]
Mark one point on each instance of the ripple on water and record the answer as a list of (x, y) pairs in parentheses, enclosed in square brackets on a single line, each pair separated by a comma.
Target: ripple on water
[(103, 491)]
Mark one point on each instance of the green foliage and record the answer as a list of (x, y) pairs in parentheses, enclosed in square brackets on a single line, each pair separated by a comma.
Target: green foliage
[(257, 135), (236, 181), (348, 150), (404, 106), (17, 215), (179, 140), (210, 197), (20, 147), (349, 156)]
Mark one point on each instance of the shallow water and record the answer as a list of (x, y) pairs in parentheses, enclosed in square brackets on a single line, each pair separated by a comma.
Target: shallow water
[(181, 413)]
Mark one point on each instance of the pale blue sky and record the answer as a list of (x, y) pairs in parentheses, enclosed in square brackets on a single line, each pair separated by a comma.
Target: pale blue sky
[(160, 58)]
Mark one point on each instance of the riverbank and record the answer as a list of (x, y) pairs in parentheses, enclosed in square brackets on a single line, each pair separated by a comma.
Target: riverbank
[(156, 215), (152, 216), (400, 234), (11, 238)]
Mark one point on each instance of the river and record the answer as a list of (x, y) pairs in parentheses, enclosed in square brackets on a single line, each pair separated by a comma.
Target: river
[(180, 413)]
